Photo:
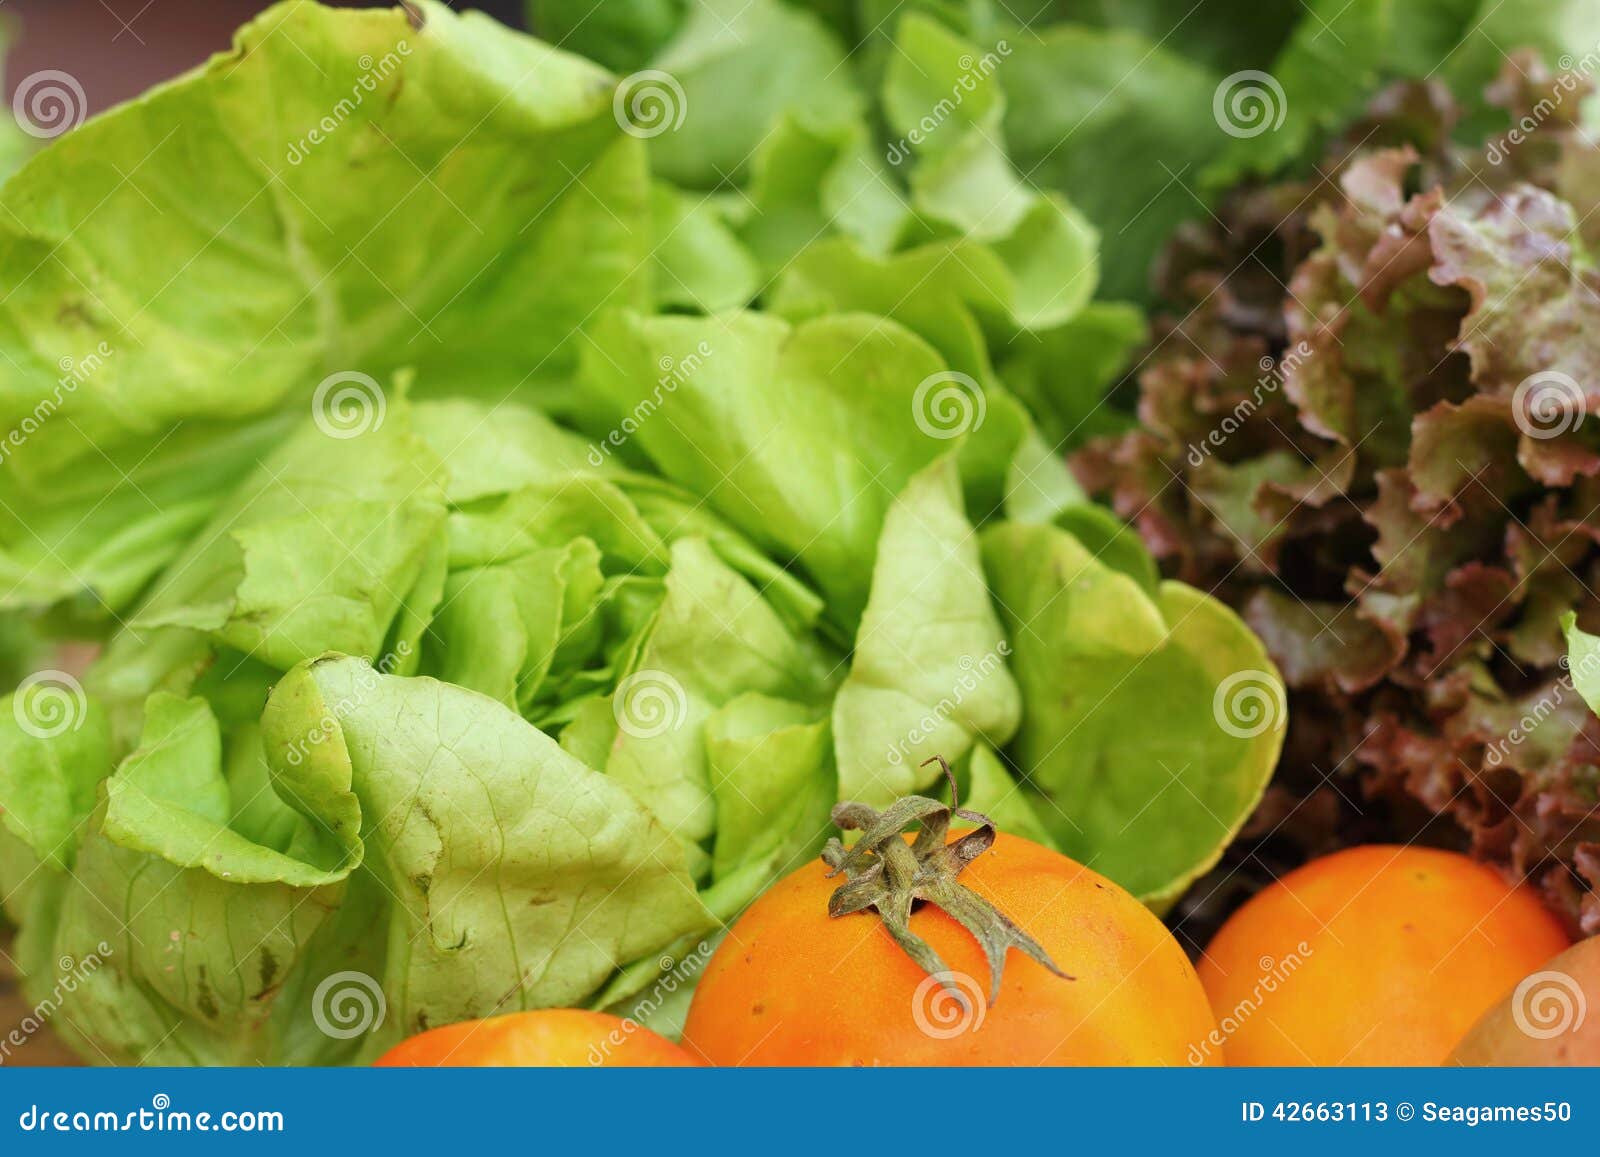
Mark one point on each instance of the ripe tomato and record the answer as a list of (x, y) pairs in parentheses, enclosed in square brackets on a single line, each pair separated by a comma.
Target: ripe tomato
[(793, 986), (1545, 1021), (550, 1038), (1372, 956)]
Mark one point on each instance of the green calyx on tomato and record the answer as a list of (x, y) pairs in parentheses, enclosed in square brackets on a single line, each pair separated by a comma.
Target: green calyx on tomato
[(889, 875)]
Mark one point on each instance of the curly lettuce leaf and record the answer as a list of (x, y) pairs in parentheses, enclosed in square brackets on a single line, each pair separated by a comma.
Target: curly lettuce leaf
[(946, 101), (50, 769), (1344, 50), (501, 629), (701, 265), (171, 799), (1063, 375), (201, 893), (227, 880), (811, 181)]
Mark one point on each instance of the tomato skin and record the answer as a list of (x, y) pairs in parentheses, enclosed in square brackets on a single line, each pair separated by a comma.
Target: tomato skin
[(792, 986), (1395, 952), (1547, 1021), (548, 1038)]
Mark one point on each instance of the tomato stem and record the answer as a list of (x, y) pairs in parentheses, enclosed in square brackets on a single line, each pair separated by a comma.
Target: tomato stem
[(886, 874)]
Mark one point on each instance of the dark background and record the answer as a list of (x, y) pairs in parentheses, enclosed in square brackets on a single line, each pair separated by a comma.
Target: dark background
[(118, 48)]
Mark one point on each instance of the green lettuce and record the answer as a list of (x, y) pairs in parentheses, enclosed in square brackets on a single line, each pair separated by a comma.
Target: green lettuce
[(929, 676), (197, 265), (1149, 804), (1583, 661)]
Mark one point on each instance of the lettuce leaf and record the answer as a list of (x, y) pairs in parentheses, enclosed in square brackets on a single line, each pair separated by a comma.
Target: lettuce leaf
[(1382, 458), (509, 862), (1583, 655), (929, 676), (492, 872), (49, 772), (841, 391), (311, 554), (772, 774), (712, 638), (201, 259), (622, 34), (777, 57), (1151, 801)]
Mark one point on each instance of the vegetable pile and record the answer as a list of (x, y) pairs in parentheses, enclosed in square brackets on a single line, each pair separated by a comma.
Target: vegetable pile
[(515, 488), (491, 606), (1372, 433)]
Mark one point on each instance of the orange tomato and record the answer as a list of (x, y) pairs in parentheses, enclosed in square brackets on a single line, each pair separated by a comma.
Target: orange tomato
[(1372, 956), (792, 986), (549, 1038), (1545, 1021)]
